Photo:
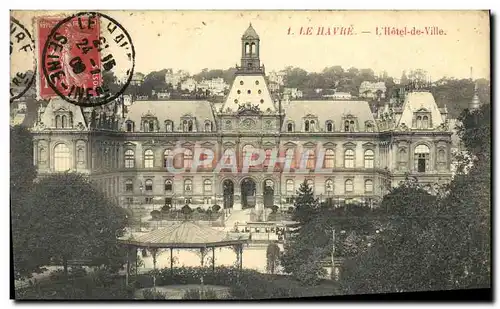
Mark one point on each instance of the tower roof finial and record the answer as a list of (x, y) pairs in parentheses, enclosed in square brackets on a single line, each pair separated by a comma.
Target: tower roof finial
[(250, 33)]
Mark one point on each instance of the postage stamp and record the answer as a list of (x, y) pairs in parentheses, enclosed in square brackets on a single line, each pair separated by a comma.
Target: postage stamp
[(77, 51), (22, 58)]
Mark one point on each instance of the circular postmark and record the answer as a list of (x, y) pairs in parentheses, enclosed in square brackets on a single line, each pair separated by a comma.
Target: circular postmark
[(22, 60), (88, 59)]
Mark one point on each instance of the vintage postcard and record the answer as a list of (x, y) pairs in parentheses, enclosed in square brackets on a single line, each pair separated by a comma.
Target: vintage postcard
[(249, 154)]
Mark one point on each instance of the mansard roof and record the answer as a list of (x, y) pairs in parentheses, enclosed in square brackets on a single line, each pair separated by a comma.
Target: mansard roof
[(170, 110), (328, 110), (417, 101)]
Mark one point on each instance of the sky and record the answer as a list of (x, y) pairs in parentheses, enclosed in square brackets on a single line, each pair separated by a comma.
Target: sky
[(193, 40)]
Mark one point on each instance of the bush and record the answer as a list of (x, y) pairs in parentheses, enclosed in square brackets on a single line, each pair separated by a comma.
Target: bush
[(290, 210), (57, 275), (186, 209), (200, 210), (77, 271), (166, 208), (156, 215), (153, 294), (274, 209), (215, 208), (197, 294)]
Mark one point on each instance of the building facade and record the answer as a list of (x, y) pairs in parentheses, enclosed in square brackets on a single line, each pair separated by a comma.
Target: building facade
[(250, 151)]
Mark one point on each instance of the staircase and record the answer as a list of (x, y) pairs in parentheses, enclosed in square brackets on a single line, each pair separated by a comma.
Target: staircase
[(237, 216)]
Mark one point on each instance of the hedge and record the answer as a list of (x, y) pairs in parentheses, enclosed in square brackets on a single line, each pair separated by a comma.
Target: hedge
[(243, 284)]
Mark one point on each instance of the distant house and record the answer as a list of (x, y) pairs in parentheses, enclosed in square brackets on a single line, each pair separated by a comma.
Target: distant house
[(163, 95), (371, 90), (189, 85), (293, 93), (175, 78), (339, 96)]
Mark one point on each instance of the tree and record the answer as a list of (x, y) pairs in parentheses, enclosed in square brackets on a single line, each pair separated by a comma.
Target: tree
[(304, 251), (71, 219), (22, 174), (434, 242), (272, 255), (398, 259)]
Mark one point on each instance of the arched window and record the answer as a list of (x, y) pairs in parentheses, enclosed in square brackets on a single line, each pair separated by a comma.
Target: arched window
[(329, 186), (329, 126), (306, 126), (129, 158), (422, 158), (419, 122), (402, 158), (289, 157), (129, 185), (252, 48), (229, 125), (441, 158), (62, 158), (349, 158), (188, 158), (208, 126), (368, 185), (311, 126), (58, 121), (346, 126), (351, 126), (290, 187), (247, 152), (311, 159), (149, 185), (148, 159), (151, 126), (425, 122), (329, 158), (167, 158), (168, 185), (80, 155), (169, 126), (64, 122), (207, 186), (269, 153), (190, 126), (369, 158), (247, 48), (349, 186), (42, 155), (289, 127), (369, 127), (188, 186), (130, 126), (227, 156), (310, 184)]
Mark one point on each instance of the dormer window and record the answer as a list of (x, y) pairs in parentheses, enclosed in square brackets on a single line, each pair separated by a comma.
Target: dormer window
[(309, 123), (289, 127), (208, 126), (149, 124), (63, 119), (350, 124), (422, 119), (329, 126), (129, 126), (169, 126), (369, 126), (188, 124)]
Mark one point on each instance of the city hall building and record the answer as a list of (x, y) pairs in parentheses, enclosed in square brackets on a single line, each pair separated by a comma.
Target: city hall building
[(341, 149)]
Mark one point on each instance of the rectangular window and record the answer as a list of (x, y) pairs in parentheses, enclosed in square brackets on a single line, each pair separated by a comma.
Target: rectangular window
[(168, 201), (130, 200), (149, 200)]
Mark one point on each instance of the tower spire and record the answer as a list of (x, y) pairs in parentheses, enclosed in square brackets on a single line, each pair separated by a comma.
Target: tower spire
[(475, 103)]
